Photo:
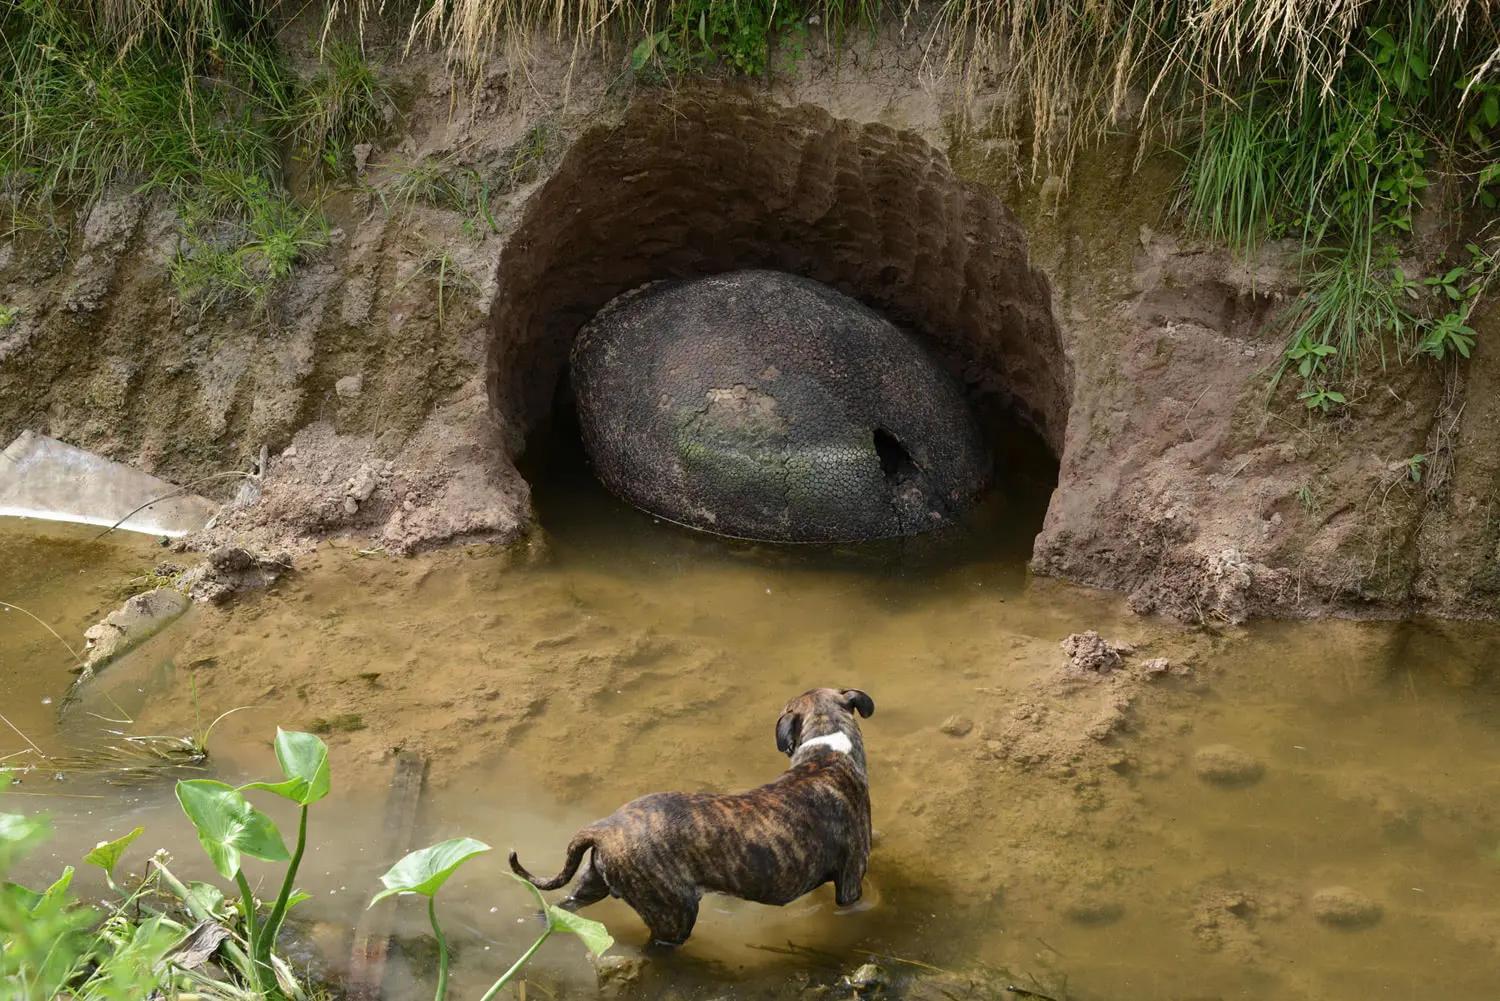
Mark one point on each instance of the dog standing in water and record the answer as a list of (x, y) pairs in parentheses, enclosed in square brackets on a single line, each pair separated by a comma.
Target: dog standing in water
[(662, 852)]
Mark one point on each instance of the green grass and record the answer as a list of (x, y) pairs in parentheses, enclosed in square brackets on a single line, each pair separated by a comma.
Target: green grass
[(185, 101), (1326, 122)]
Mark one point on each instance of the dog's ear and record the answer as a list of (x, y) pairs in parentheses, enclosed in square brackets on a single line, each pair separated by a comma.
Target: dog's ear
[(786, 732), (857, 701)]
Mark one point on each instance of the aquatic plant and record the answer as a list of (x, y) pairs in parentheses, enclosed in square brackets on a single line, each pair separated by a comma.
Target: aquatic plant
[(161, 935), (423, 873)]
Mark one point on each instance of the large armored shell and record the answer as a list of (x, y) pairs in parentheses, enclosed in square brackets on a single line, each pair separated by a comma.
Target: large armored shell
[(762, 405)]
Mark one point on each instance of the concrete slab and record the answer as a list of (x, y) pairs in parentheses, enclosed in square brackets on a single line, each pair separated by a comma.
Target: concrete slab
[(41, 477)]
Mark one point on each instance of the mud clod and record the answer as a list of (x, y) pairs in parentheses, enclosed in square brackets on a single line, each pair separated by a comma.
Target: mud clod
[(1344, 907), (1226, 765), (1090, 653), (230, 570), (957, 726)]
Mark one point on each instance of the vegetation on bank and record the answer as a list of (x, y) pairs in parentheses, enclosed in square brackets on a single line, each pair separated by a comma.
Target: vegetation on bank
[(1334, 123), (159, 937)]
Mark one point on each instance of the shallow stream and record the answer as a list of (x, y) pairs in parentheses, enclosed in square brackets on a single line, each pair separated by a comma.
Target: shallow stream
[(1049, 826)]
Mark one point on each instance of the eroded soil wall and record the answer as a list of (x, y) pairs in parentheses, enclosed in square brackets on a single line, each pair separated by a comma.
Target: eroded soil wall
[(395, 378)]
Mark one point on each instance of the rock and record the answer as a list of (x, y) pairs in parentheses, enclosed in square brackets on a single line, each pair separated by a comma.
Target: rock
[(1093, 909), (867, 979), (140, 618), (361, 485), (1225, 765), (231, 559), (349, 387), (957, 726), (290, 452), (1090, 653), (351, 506), (1343, 907), (617, 975)]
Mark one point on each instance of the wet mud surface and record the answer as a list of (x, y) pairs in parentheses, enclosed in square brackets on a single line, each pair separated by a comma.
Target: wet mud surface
[(1289, 810)]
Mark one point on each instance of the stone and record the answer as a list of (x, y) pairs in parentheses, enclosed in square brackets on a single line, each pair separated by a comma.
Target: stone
[(349, 387), (957, 726), (361, 485), (1344, 907), (1226, 765), (867, 979), (617, 975), (140, 618)]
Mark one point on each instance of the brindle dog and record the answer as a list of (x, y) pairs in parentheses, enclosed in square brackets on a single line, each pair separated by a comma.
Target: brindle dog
[(662, 852)]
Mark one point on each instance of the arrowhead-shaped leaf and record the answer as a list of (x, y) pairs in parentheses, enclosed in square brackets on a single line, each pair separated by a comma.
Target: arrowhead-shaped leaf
[(228, 826), (304, 762), (595, 936), (106, 854), (427, 869)]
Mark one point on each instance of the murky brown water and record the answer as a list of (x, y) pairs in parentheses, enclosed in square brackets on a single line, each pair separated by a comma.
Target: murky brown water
[(1066, 837)]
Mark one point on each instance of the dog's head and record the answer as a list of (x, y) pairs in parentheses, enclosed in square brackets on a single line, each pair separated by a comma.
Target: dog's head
[(822, 712)]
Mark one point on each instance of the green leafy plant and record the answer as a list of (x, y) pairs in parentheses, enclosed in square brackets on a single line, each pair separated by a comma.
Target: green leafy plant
[(342, 105), (8, 315), (737, 34), (1321, 398), (423, 873), (1414, 467), (229, 827)]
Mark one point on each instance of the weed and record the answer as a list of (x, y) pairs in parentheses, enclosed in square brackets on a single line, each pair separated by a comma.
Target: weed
[(342, 723), (241, 239), (737, 34), (162, 937), (343, 105), (448, 277), (9, 315), (423, 873), (1414, 467)]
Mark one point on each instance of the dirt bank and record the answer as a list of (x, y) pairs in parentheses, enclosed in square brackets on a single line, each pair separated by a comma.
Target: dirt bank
[(395, 379)]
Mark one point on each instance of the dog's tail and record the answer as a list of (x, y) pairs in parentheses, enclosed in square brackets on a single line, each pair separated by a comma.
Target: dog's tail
[(581, 843)]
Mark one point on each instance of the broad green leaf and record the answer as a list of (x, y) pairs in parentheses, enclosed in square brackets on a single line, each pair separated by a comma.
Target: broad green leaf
[(595, 936), (23, 897), (106, 854), (424, 871), (54, 896), (206, 896), (228, 826), (304, 762)]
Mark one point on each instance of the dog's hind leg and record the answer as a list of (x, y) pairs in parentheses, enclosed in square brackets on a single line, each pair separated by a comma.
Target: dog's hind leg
[(672, 923), (848, 882), (590, 888)]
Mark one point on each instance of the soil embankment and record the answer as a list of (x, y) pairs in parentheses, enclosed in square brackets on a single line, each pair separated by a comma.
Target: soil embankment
[(397, 375)]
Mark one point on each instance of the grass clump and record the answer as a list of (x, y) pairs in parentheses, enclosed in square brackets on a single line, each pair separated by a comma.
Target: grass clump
[(1343, 164), (191, 100)]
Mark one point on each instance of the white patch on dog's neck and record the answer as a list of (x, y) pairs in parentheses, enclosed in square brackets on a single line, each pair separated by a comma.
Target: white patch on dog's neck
[(839, 742)]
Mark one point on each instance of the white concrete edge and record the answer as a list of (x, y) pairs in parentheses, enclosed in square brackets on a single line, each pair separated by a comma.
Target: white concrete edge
[(131, 524)]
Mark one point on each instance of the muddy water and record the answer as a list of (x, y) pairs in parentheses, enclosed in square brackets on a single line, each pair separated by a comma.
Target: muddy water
[(1049, 827)]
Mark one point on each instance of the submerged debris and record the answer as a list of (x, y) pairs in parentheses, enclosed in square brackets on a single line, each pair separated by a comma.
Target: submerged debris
[(134, 622)]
